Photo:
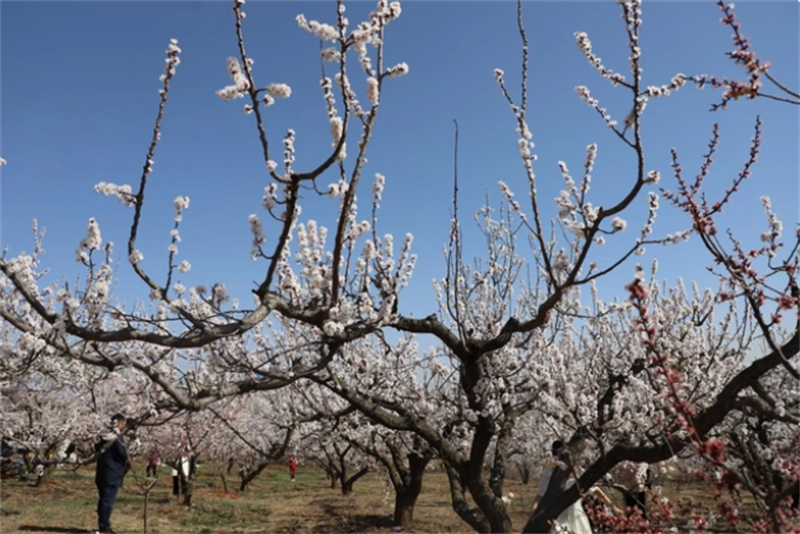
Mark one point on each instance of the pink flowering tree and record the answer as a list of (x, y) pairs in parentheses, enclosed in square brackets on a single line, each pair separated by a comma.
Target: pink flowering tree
[(754, 450), (743, 430)]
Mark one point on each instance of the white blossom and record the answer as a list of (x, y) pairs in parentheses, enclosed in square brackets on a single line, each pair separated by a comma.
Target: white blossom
[(279, 90), (122, 192), (181, 203), (257, 230), (92, 241), (337, 128), (322, 31), (330, 54), (240, 83), (372, 90), (377, 188), (653, 177), (398, 70)]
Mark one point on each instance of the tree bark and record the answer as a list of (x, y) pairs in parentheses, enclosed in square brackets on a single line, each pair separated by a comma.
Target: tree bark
[(347, 484), (404, 501), (248, 477), (405, 495)]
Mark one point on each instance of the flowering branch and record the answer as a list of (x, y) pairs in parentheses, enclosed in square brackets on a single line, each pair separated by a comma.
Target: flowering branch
[(744, 56)]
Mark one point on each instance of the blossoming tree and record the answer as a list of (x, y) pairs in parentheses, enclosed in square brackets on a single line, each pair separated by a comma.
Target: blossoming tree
[(639, 379)]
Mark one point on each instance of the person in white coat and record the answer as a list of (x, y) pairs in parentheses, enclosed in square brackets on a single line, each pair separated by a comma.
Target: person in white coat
[(573, 519)]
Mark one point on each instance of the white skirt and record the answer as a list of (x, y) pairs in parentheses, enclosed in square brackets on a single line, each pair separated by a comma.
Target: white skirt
[(573, 520)]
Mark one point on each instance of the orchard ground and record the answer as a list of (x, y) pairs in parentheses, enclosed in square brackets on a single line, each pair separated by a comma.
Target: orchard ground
[(66, 504)]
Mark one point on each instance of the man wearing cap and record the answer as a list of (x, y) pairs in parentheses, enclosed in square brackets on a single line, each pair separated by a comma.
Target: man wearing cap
[(112, 461)]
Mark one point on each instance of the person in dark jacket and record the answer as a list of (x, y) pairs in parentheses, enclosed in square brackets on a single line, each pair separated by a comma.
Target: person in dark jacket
[(112, 463)]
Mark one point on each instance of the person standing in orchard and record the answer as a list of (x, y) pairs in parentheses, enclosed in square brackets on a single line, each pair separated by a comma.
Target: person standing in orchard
[(573, 518), (292, 466), (112, 463), (152, 464)]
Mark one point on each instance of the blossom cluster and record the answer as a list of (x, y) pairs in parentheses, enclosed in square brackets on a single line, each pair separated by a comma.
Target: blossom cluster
[(122, 192), (583, 92), (241, 84), (582, 38)]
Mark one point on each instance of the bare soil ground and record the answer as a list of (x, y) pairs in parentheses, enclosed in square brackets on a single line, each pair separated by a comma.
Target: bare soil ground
[(66, 503)]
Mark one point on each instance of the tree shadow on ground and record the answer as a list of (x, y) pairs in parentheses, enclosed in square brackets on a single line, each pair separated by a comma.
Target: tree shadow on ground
[(341, 522), (60, 530)]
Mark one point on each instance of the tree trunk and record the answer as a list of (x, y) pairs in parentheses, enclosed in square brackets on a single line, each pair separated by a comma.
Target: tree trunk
[(46, 474), (248, 477), (470, 515), (524, 473), (499, 519), (146, 501), (188, 487), (188, 482), (347, 484), (146, 487), (405, 496), (490, 505), (554, 501), (404, 500)]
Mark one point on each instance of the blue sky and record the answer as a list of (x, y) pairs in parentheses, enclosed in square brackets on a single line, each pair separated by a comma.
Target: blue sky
[(79, 97)]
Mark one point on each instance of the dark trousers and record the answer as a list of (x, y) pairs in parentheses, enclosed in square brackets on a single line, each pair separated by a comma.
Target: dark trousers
[(151, 468), (636, 500), (105, 505)]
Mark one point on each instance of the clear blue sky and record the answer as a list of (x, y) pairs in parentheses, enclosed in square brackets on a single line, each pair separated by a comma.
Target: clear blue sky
[(79, 96)]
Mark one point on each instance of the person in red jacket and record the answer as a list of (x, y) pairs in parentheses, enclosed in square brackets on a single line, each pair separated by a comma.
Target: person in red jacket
[(292, 466)]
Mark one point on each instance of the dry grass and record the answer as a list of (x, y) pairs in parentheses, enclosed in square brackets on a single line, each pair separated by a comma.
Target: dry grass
[(67, 504)]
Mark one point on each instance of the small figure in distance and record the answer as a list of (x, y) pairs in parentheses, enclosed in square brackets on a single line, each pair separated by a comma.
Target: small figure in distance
[(292, 466), (152, 464)]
